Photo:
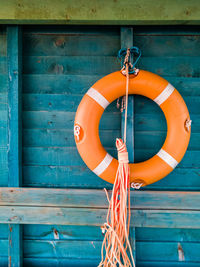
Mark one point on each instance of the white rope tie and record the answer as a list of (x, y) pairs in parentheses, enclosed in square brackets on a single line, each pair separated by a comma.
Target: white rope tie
[(136, 185)]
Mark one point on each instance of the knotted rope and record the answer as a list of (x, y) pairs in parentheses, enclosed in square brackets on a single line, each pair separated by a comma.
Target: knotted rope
[(116, 245)]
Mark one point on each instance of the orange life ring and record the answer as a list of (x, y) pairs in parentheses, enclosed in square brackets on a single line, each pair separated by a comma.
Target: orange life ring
[(106, 90)]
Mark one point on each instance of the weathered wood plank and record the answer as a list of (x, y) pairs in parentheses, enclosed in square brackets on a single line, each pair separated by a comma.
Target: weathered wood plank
[(63, 232), (14, 41), (96, 198), (88, 42), (69, 102), (66, 177), (109, 121), (174, 66), (68, 44), (70, 232), (32, 262), (126, 12), (162, 234), (68, 156), (94, 65), (64, 137), (90, 250), (65, 120), (73, 84), (127, 42), (147, 251), (56, 102), (96, 217)]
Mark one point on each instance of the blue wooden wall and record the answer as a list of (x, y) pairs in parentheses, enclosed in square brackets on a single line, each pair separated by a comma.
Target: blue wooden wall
[(59, 65)]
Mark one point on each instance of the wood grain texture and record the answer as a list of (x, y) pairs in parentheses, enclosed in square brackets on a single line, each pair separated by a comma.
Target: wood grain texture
[(52, 89), (127, 42), (96, 198), (14, 42), (96, 217), (98, 13)]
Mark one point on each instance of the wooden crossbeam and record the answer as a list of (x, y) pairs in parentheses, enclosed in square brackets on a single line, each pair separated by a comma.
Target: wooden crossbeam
[(62, 206)]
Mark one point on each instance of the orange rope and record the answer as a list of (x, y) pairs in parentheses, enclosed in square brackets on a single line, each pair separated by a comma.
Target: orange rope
[(116, 244)]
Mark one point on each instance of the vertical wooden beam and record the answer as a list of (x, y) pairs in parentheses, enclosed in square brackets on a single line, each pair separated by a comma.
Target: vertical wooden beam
[(14, 55), (127, 42)]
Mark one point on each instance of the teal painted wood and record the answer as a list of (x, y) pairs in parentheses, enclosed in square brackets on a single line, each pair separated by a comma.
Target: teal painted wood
[(96, 198), (3, 109), (71, 232), (127, 42), (57, 84), (64, 120), (66, 176), (90, 250), (46, 86), (91, 263), (67, 44), (14, 39), (94, 65), (96, 217), (62, 156)]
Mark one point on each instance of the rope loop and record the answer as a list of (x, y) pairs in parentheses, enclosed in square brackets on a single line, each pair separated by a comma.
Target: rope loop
[(129, 57)]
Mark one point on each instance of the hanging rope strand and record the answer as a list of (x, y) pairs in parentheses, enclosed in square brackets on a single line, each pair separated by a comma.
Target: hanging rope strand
[(126, 102), (116, 243)]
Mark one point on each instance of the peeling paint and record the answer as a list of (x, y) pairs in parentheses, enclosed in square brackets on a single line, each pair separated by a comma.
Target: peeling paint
[(56, 234), (181, 256)]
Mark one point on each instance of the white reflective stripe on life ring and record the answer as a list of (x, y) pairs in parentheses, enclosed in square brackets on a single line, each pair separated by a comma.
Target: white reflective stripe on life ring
[(162, 97), (101, 100), (103, 165), (167, 158)]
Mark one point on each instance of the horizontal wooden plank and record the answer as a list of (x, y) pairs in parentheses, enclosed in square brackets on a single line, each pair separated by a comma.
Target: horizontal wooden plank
[(61, 120), (68, 156), (44, 197), (65, 120), (144, 105), (56, 102), (63, 232), (82, 177), (70, 64), (65, 137), (62, 176), (174, 181), (177, 251), (166, 264), (81, 232), (165, 43), (174, 66), (46, 262), (158, 123), (58, 84), (96, 217), (79, 84), (68, 44), (163, 234), (66, 102), (91, 250), (32, 262), (109, 13)]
